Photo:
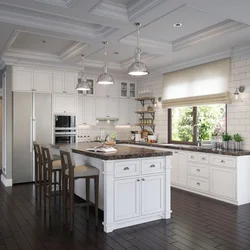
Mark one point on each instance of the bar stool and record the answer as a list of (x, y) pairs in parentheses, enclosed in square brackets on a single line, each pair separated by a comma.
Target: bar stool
[(51, 167), (70, 173), (38, 170)]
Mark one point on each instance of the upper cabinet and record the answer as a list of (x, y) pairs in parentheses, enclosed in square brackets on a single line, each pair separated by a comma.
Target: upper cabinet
[(107, 107), (65, 104), (86, 111), (127, 90), (65, 82), (31, 80), (90, 92), (110, 90)]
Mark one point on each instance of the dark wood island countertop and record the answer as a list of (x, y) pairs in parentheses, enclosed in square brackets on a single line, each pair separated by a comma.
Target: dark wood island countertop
[(123, 152)]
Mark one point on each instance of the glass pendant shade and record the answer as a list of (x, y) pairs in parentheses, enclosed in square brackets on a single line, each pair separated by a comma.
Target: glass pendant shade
[(105, 78), (138, 68), (82, 82), (236, 98)]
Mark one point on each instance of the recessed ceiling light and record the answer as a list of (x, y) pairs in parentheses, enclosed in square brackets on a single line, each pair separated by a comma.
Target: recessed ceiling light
[(43, 41), (177, 25), (116, 53)]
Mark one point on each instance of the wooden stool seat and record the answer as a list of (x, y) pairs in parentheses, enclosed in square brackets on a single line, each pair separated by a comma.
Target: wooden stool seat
[(56, 165), (84, 171)]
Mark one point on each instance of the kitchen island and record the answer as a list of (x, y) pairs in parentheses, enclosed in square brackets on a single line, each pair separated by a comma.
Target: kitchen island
[(134, 183)]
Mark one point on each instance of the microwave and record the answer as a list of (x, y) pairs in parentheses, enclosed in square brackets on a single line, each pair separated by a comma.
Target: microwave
[(65, 122)]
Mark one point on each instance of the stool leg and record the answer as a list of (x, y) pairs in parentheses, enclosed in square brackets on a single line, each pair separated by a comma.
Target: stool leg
[(36, 179), (55, 173), (60, 186), (96, 179), (50, 192), (44, 186), (87, 196), (64, 198), (71, 202), (40, 182)]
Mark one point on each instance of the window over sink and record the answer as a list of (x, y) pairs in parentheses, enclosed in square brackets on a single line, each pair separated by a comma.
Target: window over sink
[(192, 124)]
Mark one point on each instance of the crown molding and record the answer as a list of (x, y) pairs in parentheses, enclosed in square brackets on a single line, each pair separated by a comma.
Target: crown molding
[(131, 40), (47, 21), (241, 51), (73, 50), (196, 61), (11, 40), (110, 9), (60, 3), (138, 7), (225, 27)]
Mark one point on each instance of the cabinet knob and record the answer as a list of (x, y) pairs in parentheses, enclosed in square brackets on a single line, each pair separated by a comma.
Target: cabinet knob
[(203, 158), (34, 89), (143, 179), (192, 157), (152, 166), (198, 183), (198, 170), (138, 180), (176, 152), (222, 161), (64, 111), (126, 168)]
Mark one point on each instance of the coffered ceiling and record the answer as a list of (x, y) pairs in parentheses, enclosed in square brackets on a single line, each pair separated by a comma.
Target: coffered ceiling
[(59, 31)]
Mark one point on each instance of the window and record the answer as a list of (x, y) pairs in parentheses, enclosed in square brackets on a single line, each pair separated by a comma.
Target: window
[(191, 124)]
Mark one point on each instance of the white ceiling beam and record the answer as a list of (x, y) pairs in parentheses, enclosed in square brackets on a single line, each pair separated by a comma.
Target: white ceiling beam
[(225, 27), (60, 3), (73, 50)]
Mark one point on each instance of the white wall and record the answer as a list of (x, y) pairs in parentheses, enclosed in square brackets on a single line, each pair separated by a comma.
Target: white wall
[(238, 115)]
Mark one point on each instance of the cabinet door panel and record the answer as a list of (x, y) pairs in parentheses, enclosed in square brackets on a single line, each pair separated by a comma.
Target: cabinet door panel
[(65, 104), (113, 107), (100, 105), (175, 168), (132, 90), (131, 109), (127, 198), (22, 79), (152, 194), (223, 182), (58, 82), (101, 90), (43, 81), (183, 168), (89, 111), (123, 113), (80, 112), (70, 81)]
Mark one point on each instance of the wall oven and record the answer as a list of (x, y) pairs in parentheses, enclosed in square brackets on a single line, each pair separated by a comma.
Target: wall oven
[(65, 129)]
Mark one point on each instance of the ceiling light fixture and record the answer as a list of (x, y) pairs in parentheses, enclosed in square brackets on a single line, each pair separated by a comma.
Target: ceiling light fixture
[(82, 81), (236, 98), (138, 68), (177, 25), (105, 78)]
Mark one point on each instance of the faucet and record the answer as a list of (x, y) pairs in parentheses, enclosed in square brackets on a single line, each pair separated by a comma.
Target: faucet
[(106, 137)]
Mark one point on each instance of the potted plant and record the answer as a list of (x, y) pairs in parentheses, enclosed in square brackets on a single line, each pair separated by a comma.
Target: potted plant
[(226, 138), (237, 141)]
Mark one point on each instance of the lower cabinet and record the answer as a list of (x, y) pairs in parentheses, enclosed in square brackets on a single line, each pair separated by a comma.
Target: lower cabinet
[(223, 182)]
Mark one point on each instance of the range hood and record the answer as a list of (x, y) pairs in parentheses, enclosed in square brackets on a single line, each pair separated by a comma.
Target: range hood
[(107, 118)]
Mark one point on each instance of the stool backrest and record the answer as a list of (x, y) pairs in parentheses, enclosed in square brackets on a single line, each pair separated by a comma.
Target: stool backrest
[(38, 153), (47, 156), (67, 161)]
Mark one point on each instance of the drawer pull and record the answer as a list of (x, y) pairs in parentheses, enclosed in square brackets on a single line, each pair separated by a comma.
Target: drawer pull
[(203, 158), (176, 152), (152, 166), (138, 180), (192, 157), (198, 170), (198, 183), (143, 179), (126, 168), (222, 161)]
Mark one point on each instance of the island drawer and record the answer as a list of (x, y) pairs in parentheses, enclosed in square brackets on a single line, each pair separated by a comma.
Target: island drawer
[(153, 166), (203, 158), (197, 183), (127, 168), (192, 157), (223, 161), (201, 171)]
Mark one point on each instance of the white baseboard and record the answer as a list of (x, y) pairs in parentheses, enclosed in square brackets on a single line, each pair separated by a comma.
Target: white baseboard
[(6, 182)]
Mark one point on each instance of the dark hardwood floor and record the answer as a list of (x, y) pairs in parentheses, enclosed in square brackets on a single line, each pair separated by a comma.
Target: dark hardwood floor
[(197, 223)]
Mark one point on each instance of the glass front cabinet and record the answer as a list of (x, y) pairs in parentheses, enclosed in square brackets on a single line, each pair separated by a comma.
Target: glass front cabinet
[(128, 89)]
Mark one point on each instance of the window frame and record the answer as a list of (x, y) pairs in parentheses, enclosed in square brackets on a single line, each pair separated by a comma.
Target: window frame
[(195, 120)]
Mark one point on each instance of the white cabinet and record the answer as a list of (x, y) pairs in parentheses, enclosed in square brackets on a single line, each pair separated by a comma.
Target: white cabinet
[(107, 107), (66, 104), (127, 89), (127, 199), (65, 82), (152, 194), (86, 111), (179, 167), (223, 182), (43, 81), (109, 90), (27, 80), (127, 115)]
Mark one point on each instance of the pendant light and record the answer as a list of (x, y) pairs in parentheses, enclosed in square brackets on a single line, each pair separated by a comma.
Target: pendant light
[(82, 81), (105, 78), (138, 68)]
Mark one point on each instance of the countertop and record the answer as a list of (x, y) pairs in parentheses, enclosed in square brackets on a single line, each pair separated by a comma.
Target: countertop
[(123, 152), (229, 152)]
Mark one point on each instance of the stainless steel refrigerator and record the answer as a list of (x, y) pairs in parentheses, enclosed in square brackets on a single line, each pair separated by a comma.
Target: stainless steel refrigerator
[(32, 121)]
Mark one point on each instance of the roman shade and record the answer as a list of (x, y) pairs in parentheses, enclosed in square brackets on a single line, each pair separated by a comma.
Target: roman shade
[(199, 85)]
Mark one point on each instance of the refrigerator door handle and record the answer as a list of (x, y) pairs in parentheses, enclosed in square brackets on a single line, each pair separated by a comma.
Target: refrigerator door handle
[(31, 134)]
